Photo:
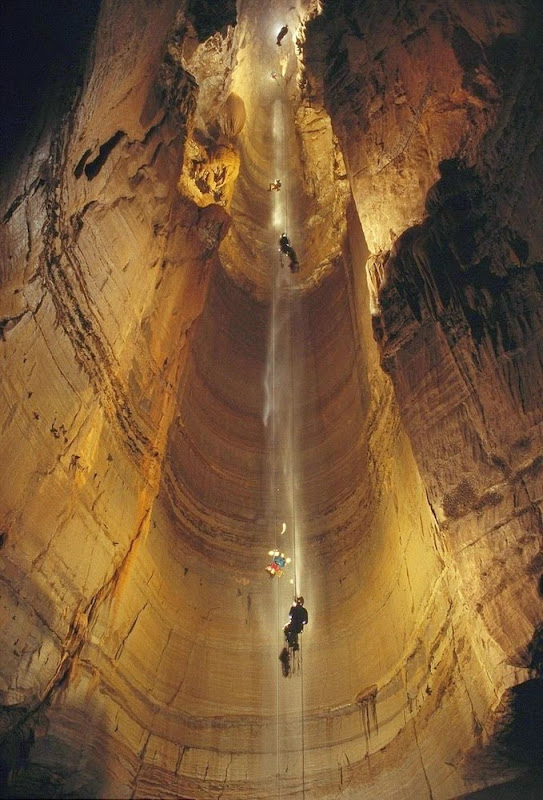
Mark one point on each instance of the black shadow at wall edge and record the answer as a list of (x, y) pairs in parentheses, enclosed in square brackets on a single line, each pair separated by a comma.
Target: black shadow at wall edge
[(43, 47)]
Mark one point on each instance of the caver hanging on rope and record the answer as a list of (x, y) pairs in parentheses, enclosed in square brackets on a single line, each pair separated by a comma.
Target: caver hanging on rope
[(278, 563), (298, 620), (286, 248), (289, 656), (284, 658), (291, 662), (281, 35)]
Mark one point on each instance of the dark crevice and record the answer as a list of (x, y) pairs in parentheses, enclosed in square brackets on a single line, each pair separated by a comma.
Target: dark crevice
[(44, 45), (93, 167), (520, 738), (78, 171), (209, 17)]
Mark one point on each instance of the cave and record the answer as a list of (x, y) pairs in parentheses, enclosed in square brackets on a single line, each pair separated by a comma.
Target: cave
[(181, 399)]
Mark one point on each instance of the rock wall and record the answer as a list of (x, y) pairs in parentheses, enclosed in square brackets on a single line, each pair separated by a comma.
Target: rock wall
[(438, 148), (103, 274)]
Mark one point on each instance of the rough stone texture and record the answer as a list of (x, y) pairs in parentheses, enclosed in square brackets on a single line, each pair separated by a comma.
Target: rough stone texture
[(172, 395)]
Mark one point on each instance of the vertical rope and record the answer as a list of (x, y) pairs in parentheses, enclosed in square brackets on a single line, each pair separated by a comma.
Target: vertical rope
[(274, 512), (291, 444), (303, 717), (291, 352), (284, 165), (294, 528)]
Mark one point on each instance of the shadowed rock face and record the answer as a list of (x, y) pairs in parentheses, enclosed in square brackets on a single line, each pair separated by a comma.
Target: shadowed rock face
[(177, 402)]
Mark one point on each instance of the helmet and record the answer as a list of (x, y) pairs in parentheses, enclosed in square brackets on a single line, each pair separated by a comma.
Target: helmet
[(300, 601)]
